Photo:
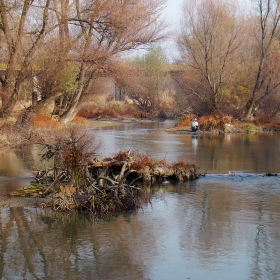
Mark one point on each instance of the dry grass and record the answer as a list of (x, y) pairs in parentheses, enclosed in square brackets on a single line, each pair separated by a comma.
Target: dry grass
[(11, 137), (267, 121), (79, 120), (182, 164), (260, 120), (212, 122), (110, 110), (45, 121), (274, 126), (207, 123), (132, 112), (215, 122), (186, 120), (142, 160)]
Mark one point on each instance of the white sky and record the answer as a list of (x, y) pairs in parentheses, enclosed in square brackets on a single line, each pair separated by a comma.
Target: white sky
[(173, 10), (172, 15)]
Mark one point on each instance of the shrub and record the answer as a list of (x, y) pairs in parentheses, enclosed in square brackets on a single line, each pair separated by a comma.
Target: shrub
[(186, 120), (212, 122), (264, 119), (88, 111), (250, 127)]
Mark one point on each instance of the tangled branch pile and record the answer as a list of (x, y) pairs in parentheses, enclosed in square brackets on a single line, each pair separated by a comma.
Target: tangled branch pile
[(113, 184)]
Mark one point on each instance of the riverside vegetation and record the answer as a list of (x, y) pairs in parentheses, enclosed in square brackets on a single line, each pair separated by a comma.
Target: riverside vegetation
[(80, 180)]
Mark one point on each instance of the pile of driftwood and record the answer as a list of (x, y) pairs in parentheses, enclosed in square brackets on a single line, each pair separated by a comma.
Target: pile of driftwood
[(100, 186)]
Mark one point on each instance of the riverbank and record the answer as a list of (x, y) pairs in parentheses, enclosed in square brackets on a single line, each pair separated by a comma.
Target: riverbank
[(222, 125), (159, 130), (235, 127), (229, 128)]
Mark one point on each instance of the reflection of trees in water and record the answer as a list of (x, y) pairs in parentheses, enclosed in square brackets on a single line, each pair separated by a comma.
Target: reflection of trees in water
[(265, 255), (18, 162), (10, 164), (19, 257), (53, 246), (216, 222), (203, 225), (239, 152)]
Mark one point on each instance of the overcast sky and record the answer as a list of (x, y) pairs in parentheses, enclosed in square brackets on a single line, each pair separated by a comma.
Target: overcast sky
[(172, 14), (173, 10)]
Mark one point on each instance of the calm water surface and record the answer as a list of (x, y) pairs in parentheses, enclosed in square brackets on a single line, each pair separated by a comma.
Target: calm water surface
[(221, 226)]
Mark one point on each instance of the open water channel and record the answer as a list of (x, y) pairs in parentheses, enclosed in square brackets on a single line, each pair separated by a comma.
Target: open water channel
[(225, 225)]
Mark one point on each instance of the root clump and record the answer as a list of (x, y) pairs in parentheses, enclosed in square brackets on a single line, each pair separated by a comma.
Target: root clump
[(86, 183)]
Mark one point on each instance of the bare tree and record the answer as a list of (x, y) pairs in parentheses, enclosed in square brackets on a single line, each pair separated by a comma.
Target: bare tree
[(100, 32), (266, 39), (47, 36), (22, 28), (209, 44)]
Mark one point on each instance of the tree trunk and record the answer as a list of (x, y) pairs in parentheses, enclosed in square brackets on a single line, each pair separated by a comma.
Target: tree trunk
[(250, 108), (71, 112), (8, 100)]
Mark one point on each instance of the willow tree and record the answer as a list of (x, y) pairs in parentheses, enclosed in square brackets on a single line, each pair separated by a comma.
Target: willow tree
[(209, 44)]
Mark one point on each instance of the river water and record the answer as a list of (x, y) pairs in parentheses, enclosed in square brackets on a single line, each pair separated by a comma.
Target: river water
[(225, 225)]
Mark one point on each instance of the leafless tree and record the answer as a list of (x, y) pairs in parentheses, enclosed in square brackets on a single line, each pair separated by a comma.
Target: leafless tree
[(102, 30), (265, 53), (209, 44), (46, 36), (23, 26)]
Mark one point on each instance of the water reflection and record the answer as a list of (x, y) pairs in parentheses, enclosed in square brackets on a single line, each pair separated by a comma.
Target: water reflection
[(217, 227), (194, 143), (221, 226), (212, 153)]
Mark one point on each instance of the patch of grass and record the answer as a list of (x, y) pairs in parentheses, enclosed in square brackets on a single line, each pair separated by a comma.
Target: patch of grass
[(10, 136), (250, 127), (112, 110), (42, 121)]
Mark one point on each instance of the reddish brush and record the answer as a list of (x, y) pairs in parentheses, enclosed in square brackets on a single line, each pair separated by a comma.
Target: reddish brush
[(186, 120), (43, 121)]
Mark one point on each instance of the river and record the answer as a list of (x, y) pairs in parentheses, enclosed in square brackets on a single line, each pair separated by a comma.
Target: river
[(225, 225)]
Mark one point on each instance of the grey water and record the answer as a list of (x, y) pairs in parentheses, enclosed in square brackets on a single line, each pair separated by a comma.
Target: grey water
[(225, 225)]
